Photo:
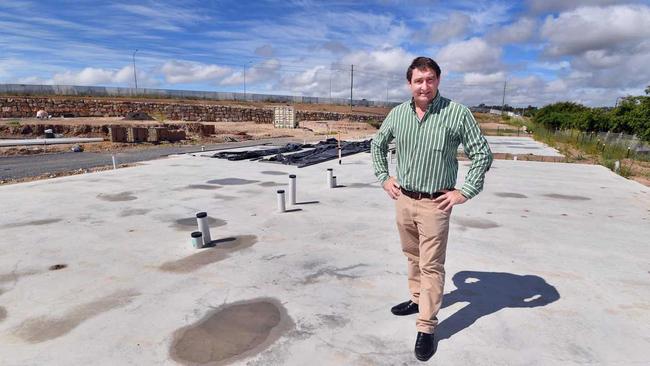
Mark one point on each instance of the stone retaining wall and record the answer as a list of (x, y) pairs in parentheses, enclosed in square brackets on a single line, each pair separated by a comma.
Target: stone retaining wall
[(22, 107)]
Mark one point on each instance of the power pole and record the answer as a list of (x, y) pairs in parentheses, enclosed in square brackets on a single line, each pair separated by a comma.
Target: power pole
[(351, 84), (503, 101), (244, 81), (135, 77)]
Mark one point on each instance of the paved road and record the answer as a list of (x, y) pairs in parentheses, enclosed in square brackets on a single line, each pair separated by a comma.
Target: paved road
[(16, 167)]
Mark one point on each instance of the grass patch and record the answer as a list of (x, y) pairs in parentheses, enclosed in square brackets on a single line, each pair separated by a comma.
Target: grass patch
[(14, 122), (588, 145), (159, 116)]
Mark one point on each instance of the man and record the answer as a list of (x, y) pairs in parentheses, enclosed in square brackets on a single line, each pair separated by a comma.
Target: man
[(427, 131)]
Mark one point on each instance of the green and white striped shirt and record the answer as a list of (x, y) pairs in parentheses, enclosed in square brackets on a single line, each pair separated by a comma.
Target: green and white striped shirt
[(426, 149)]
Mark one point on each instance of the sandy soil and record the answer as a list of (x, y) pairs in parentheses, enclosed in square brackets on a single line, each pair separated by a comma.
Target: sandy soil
[(225, 132)]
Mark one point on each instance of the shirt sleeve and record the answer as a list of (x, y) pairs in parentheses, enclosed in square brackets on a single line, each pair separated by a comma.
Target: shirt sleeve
[(379, 148), (478, 151)]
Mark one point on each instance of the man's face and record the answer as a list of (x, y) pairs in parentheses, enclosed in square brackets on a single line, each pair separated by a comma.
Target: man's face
[(424, 85)]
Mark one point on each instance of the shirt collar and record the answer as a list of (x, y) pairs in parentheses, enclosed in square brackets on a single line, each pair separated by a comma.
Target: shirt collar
[(432, 105)]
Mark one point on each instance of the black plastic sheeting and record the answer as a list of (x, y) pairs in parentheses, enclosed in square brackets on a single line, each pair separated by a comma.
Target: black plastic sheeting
[(256, 154), (322, 151)]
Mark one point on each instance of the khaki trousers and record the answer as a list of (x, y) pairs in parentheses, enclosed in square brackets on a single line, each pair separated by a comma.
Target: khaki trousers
[(423, 231)]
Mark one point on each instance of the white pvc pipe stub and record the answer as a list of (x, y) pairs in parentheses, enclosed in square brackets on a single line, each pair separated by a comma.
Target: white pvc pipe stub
[(333, 182), (292, 189), (204, 228), (197, 239), (330, 176), (281, 204)]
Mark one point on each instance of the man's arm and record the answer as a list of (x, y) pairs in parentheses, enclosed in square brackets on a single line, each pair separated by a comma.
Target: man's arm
[(379, 148), (478, 151)]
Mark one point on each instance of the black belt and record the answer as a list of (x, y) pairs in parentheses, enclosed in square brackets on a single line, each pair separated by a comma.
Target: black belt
[(421, 195)]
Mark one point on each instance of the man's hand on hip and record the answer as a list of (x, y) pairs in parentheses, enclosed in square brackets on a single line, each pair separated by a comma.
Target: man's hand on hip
[(392, 188), (449, 200)]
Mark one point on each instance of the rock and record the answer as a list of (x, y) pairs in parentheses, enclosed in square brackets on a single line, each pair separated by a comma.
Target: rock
[(138, 116), (77, 148), (41, 114)]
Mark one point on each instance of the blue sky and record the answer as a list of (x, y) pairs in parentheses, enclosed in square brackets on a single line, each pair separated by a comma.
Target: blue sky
[(544, 50)]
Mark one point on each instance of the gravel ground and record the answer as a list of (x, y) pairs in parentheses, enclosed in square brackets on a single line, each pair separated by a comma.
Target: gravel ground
[(19, 167)]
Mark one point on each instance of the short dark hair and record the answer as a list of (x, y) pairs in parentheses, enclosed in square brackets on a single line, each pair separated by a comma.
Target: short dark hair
[(422, 63)]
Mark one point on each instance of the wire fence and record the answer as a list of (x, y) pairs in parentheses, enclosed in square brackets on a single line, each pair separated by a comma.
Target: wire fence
[(630, 146)]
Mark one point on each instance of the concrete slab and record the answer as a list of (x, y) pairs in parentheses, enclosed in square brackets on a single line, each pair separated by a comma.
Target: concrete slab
[(520, 146), (548, 266)]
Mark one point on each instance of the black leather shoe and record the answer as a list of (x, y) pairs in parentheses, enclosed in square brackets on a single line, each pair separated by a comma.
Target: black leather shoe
[(405, 308), (424, 346)]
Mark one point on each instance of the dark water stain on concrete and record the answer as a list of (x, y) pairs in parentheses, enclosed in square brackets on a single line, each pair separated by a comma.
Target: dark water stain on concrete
[(249, 191), (223, 197), (231, 181), (13, 277), (202, 186), (30, 223), (361, 185), (231, 332), (566, 197), (271, 184), (339, 273), (332, 320), (274, 172), (41, 329), (134, 212), (3, 313), (190, 222), (510, 195), (273, 257), (117, 197), (222, 248), (474, 223)]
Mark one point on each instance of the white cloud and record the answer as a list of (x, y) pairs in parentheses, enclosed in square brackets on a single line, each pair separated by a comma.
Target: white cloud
[(543, 6), (93, 76), (377, 73), (261, 72), (472, 55), (386, 61), (602, 59), (595, 28), (190, 72), (556, 86), (478, 78), (489, 14), (553, 66), (520, 31), (454, 26)]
